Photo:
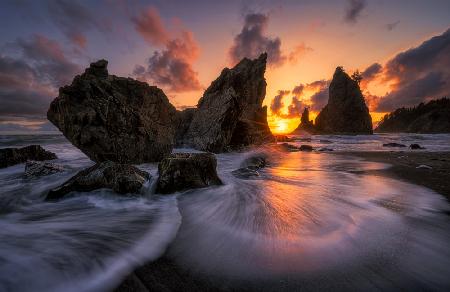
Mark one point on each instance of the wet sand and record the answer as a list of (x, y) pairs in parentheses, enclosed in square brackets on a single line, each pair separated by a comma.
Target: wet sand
[(429, 169)]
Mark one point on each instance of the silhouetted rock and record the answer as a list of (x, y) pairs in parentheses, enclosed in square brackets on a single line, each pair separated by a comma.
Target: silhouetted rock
[(416, 147), (250, 166), (305, 124), (114, 118), (121, 178), (306, 148), (182, 171), (39, 168), (287, 147), (12, 156), (432, 117), (282, 138), (325, 149), (394, 145), (346, 111), (230, 113)]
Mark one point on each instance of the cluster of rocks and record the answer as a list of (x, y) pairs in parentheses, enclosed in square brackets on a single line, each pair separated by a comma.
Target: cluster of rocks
[(13, 156)]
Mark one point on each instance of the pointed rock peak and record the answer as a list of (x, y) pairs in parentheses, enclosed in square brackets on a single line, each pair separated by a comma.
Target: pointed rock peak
[(99, 68), (340, 73)]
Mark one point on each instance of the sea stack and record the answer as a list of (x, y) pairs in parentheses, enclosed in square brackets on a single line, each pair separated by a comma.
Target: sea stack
[(114, 118), (230, 113), (305, 123), (346, 111)]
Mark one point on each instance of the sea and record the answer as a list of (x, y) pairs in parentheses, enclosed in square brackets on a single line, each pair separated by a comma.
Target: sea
[(310, 221)]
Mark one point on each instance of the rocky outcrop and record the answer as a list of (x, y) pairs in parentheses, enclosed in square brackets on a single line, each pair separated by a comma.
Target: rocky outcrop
[(416, 147), (306, 125), (35, 169), (12, 156), (346, 111), (230, 113), (114, 118), (250, 167), (432, 117), (121, 178), (182, 171), (394, 145)]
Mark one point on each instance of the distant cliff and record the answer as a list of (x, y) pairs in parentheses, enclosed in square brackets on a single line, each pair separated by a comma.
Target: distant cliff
[(432, 117)]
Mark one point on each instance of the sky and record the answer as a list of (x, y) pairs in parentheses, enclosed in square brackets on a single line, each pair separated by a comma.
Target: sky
[(401, 47)]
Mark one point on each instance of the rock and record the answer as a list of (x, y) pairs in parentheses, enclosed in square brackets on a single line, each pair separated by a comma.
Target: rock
[(230, 113), (394, 145), (415, 146), (325, 149), (287, 147), (432, 117), (346, 111), (306, 125), (250, 166), (114, 118), (282, 138), (12, 156), (38, 168), (121, 178), (306, 148), (184, 119), (182, 171)]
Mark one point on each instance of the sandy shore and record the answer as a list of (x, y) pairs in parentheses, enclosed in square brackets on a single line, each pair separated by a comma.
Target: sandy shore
[(429, 169)]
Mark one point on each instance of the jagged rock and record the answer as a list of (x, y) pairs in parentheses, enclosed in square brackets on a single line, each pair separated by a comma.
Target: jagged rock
[(250, 166), (346, 111), (182, 171), (12, 156), (114, 118), (306, 125), (230, 113), (394, 145), (432, 117), (121, 178), (306, 148), (416, 147), (38, 168)]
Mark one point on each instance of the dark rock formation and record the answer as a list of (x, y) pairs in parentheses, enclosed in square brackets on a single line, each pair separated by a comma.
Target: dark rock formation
[(114, 118), (416, 147), (282, 138), (12, 156), (250, 166), (184, 119), (286, 147), (182, 171), (122, 178), (346, 111), (305, 124), (394, 145), (306, 148), (230, 113), (325, 149), (38, 168), (432, 117)]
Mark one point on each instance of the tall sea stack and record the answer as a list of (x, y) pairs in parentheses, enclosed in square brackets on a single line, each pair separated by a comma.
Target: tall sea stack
[(346, 111)]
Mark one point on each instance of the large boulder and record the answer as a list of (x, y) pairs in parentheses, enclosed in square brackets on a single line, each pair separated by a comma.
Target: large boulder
[(35, 169), (346, 111), (114, 118), (12, 156), (230, 113), (250, 167), (121, 178), (182, 171)]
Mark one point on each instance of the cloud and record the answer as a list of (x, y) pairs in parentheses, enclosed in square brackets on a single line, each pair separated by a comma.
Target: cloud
[(298, 90), (296, 108), (170, 67), (29, 81), (418, 74), (319, 99), (298, 52), (353, 10), (252, 41), (74, 20), (392, 26), (277, 102)]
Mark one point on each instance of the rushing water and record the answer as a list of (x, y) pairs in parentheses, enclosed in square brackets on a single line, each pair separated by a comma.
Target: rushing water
[(310, 221)]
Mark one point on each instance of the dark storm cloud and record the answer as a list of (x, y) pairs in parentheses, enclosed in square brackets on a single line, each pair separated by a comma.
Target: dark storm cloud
[(372, 71), (277, 102), (353, 10), (392, 26), (170, 67), (74, 19), (298, 90), (252, 41), (418, 74), (296, 108)]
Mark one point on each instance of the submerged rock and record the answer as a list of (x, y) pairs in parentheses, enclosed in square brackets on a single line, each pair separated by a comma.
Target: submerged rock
[(230, 113), (38, 168), (415, 147), (346, 111), (394, 145), (306, 148), (250, 166), (182, 171), (12, 156), (114, 118), (121, 178)]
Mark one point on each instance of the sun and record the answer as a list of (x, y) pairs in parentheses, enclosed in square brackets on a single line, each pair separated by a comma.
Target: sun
[(282, 127)]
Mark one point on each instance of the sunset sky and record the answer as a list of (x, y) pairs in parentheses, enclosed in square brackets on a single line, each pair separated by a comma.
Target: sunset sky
[(402, 48)]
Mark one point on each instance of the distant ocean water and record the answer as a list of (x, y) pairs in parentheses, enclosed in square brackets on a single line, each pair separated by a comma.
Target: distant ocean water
[(309, 222)]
